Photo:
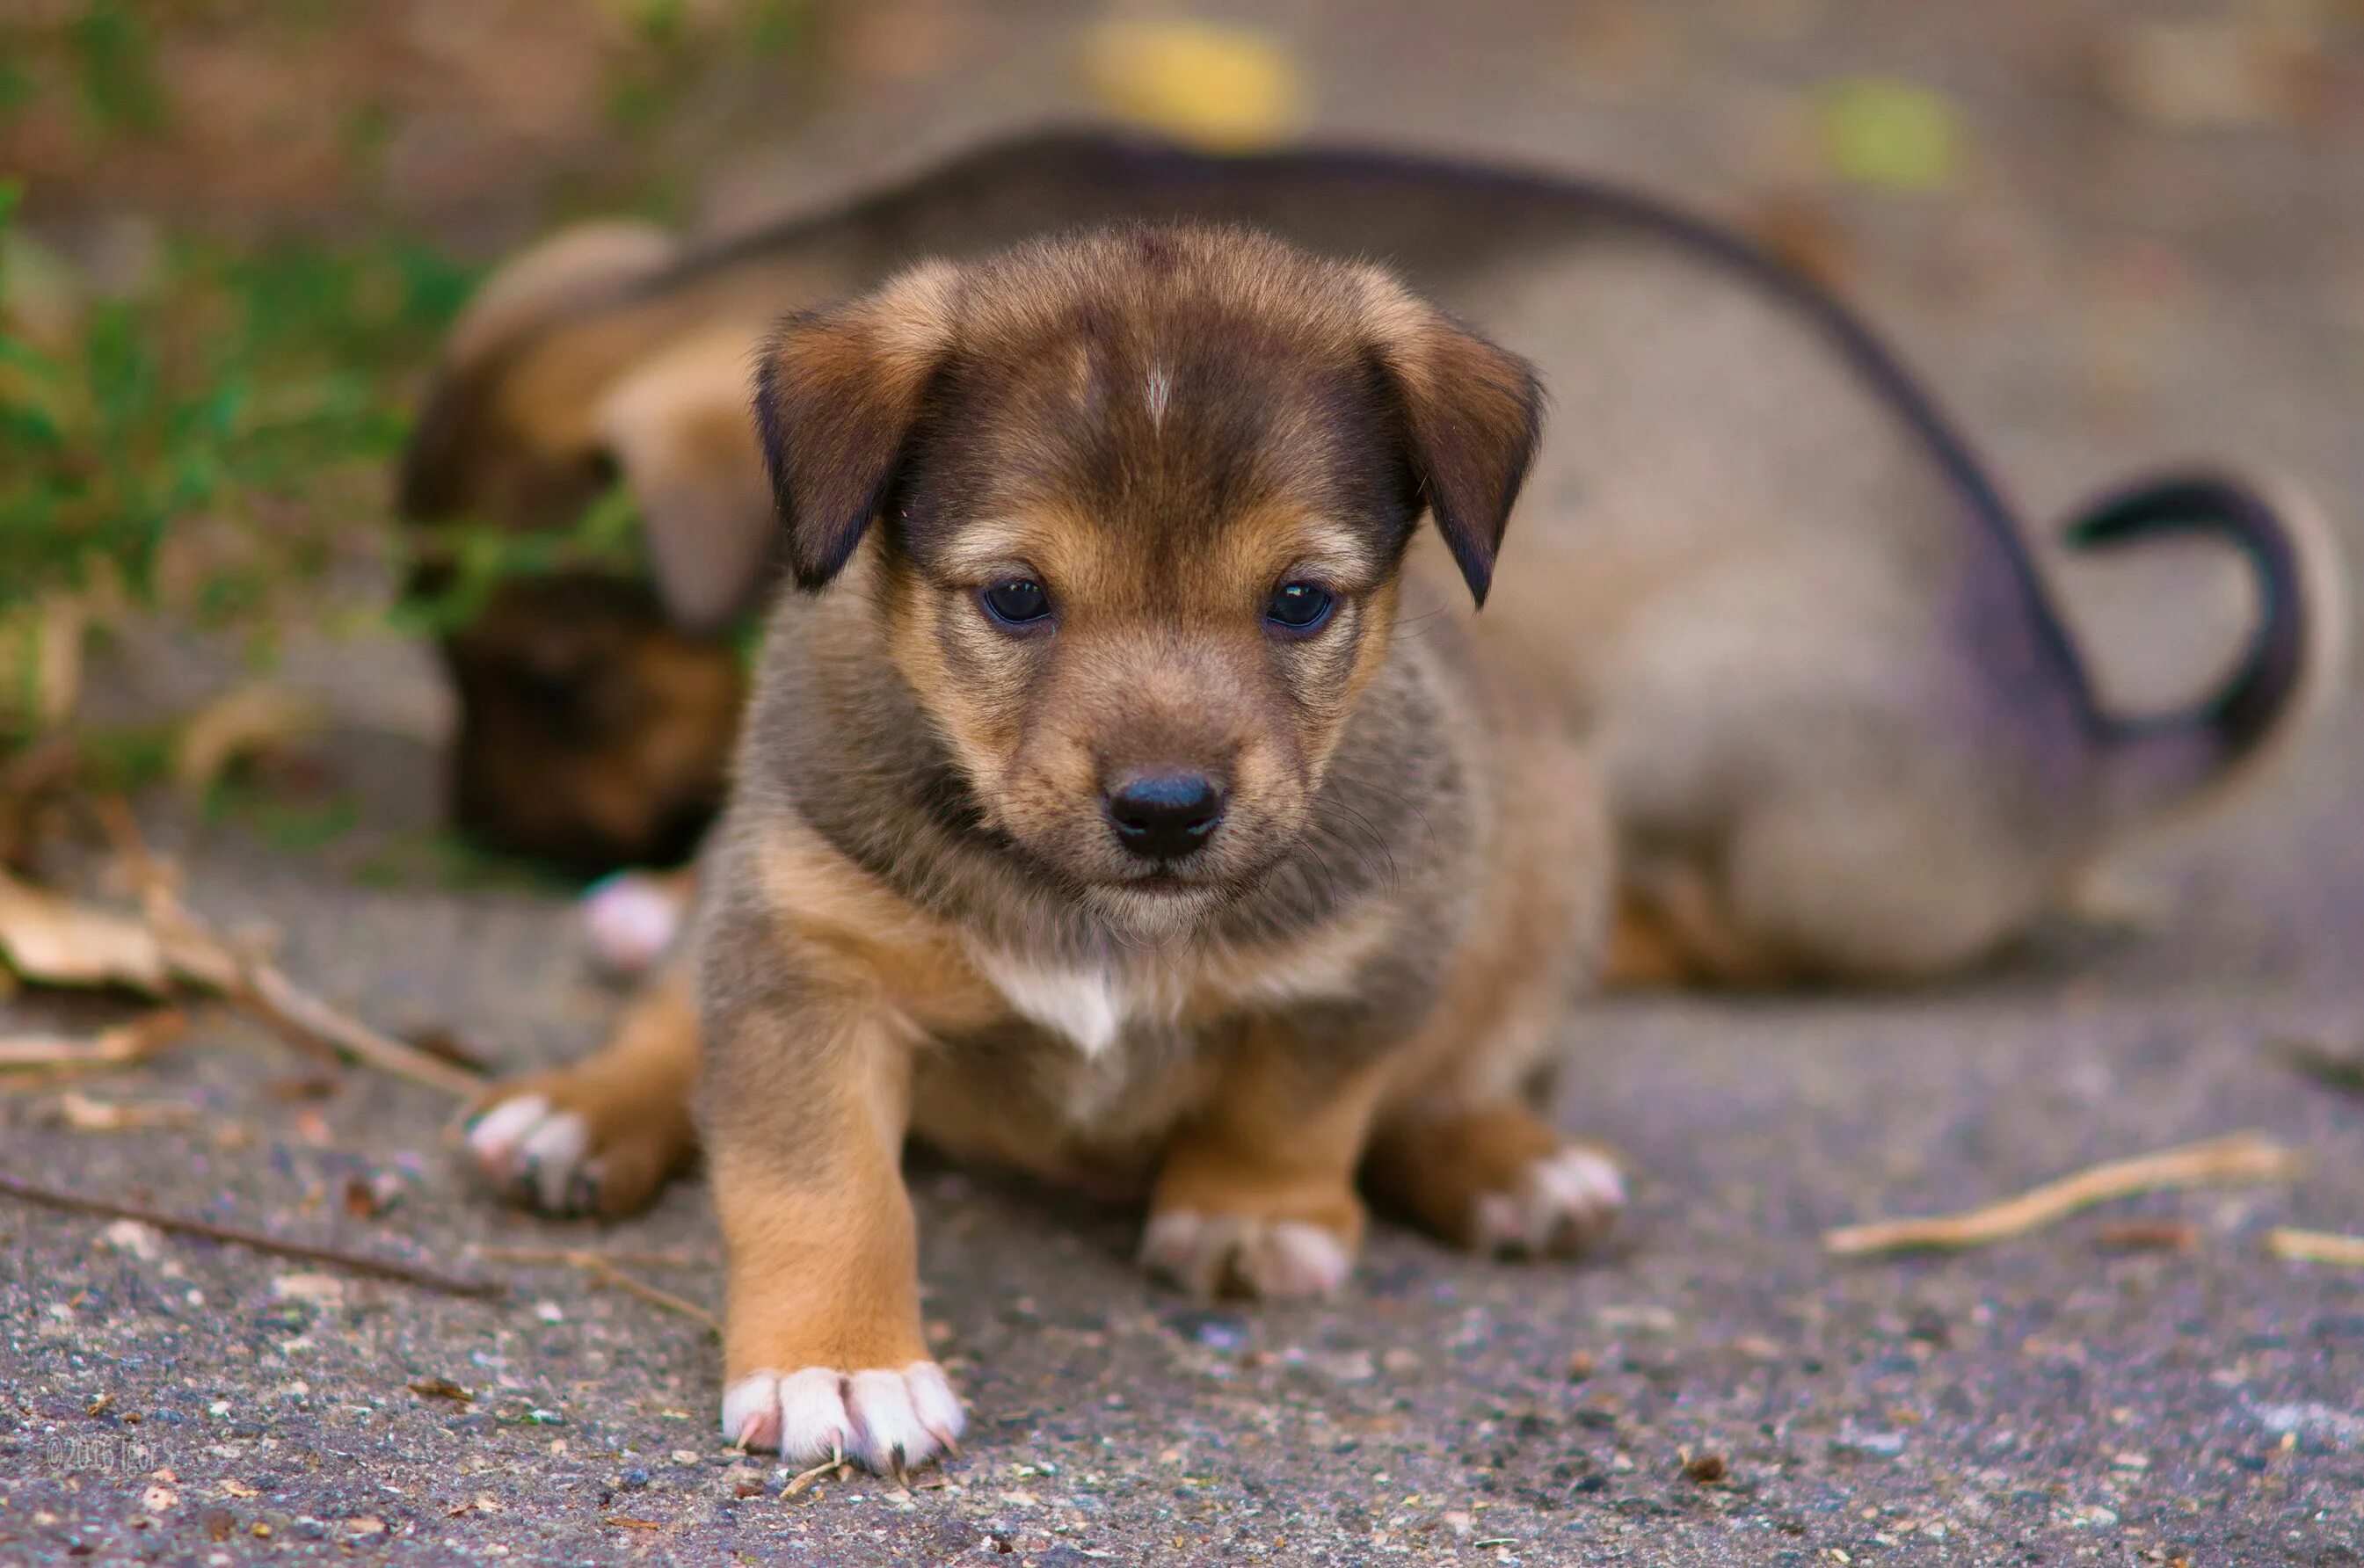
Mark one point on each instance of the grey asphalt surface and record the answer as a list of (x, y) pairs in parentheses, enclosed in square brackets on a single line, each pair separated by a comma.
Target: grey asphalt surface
[(2131, 292)]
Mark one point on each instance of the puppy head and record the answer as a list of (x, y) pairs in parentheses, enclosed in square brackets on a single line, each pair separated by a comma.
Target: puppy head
[(1140, 500)]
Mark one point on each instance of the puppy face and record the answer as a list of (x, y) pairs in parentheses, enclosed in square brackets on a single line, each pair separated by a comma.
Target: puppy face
[(1145, 497)]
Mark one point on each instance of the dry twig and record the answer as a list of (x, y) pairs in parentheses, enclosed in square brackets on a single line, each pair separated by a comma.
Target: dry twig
[(2244, 1156), (82, 1114), (2316, 1247), (835, 1467), (351, 1263), (117, 1047), (602, 1269), (200, 955)]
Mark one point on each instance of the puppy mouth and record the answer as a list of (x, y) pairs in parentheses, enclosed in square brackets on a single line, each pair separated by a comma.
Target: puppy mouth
[(1169, 881)]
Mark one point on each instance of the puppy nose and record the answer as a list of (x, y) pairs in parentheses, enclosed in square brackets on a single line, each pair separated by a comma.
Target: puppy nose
[(1164, 816)]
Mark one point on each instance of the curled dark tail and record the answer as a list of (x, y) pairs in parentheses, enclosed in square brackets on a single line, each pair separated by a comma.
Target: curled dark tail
[(2161, 762)]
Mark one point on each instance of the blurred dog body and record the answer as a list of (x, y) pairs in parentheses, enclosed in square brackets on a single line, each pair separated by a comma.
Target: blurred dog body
[(1844, 734)]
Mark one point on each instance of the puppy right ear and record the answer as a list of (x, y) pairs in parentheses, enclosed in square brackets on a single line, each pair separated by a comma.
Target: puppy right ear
[(837, 393)]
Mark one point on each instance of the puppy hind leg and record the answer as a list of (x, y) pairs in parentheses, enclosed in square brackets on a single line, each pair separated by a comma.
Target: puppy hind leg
[(1680, 916), (602, 1135), (1497, 1179), (1255, 1196)]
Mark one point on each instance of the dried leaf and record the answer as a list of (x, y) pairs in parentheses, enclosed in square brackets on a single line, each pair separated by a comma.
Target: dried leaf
[(80, 1113), (1224, 87), (240, 723), (55, 940)]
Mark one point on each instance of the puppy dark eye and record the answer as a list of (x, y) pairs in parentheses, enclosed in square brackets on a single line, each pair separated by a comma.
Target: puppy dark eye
[(1299, 606), (1018, 602)]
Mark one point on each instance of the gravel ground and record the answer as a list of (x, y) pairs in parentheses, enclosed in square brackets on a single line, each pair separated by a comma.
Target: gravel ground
[(2092, 289)]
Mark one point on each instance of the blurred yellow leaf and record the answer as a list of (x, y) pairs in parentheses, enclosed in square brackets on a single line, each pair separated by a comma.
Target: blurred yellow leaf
[(1881, 132), (1224, 87), (54, 941)]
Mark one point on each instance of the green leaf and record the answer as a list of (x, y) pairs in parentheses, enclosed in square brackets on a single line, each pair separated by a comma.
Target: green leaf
[(1891, 134)]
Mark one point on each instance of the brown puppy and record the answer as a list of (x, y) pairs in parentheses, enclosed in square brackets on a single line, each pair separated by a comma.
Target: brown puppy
[(1135, 806), (1843, 732)]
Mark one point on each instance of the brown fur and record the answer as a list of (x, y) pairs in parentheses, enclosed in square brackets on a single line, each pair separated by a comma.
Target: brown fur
[(1843, 734), (916, 918)]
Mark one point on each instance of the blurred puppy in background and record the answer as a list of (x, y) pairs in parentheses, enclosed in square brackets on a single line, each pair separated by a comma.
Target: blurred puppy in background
[(1844, 733), (1135, 809)]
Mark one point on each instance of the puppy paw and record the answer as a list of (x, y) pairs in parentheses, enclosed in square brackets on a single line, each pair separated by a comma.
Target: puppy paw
[(533, 1147), (1244, 1255), (632, 919), (887, 1421), (1560, 1204)]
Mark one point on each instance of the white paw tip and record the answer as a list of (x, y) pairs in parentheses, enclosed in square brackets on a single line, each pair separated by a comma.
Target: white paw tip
[(526, 1142), (496, 1133), (552, 1153), (1209, 1254), (628, 920), (1301, 1259), (1563, 1201), (750, 1411), (886, 1420)]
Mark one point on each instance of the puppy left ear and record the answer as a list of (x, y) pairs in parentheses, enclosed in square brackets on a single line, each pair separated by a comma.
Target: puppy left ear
[(1473, 415), (837, 394)]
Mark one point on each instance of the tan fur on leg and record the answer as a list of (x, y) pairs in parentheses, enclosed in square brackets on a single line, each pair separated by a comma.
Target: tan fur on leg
[(1256, 1194), (822, 1349)]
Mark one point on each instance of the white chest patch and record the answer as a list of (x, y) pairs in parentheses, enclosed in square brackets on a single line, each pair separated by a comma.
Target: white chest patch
[(1089, 1007)]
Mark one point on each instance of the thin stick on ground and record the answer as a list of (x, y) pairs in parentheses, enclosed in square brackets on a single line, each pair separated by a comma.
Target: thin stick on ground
[(351, 1263), (2243, 1157), (602, 1268), (834, 1467), (568, 1254), (203, 956), (2316, 1247), (117, 1047)]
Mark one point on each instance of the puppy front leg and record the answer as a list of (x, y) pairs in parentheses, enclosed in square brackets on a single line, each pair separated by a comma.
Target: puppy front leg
[(1256, 1192), (822, 1349)]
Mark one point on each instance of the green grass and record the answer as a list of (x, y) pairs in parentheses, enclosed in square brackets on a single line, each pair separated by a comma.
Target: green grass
[(114, 54), (223, 391), (203, 440)]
